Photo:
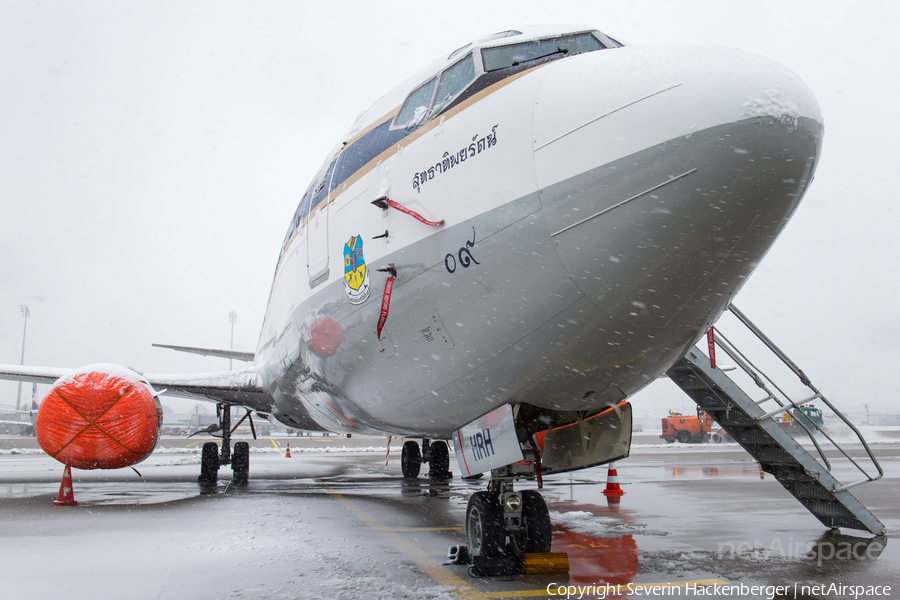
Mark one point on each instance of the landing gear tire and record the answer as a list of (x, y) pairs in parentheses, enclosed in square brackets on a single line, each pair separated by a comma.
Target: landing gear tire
[(535, 534), (209, 464), (240, 463), (440, 460), (410, 460), (683, 436), (485, 535)]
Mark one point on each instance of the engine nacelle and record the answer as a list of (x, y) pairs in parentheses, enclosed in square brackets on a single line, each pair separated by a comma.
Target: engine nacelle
[(99, 417)]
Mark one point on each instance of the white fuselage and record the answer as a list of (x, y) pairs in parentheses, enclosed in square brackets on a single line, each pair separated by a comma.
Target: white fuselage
[(599, 212)]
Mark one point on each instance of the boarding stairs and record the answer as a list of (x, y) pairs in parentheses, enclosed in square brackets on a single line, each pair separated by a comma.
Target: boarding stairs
[(752, 424)]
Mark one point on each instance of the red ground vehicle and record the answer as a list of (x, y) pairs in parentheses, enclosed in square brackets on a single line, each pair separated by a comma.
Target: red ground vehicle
[(690, 429)]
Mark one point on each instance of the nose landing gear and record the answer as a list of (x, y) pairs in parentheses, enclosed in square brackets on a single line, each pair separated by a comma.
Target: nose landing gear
[(503, 525), (535, 530), (485, 535)]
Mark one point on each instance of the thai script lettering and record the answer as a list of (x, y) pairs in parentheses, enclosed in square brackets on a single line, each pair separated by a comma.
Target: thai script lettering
[(448, 161)]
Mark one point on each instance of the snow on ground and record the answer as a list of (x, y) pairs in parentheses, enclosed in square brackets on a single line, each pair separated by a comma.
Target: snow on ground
[(586, 523)]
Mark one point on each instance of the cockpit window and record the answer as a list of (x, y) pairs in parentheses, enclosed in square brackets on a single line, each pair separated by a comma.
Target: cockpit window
[(419, 105), (501, 57), (459, 51), (416, 105), (454, 80)]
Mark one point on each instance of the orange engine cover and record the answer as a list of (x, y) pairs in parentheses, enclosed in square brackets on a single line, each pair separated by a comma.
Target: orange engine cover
[(100, 417)]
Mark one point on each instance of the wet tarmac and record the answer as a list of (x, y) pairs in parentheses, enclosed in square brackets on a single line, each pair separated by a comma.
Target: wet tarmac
[(334, 522)]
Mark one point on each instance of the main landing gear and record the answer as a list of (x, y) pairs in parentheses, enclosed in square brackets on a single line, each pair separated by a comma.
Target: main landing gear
[(436, 454), (501, 522), (239, 458)]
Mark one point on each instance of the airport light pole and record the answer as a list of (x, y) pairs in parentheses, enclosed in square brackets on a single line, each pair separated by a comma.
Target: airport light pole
[(232, 316), (23, 308)]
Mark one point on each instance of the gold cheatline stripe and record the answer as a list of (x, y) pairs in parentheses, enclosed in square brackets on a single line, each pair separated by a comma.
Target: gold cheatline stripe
[(415, 135), (431, 568), (392, 150), (634, 586)]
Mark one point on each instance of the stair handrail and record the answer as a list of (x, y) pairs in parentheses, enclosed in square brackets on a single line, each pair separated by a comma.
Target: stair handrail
[(754, 372), (806, 381)]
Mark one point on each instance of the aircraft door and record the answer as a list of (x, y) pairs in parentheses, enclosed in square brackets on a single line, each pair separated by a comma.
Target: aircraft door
[(317, 254)]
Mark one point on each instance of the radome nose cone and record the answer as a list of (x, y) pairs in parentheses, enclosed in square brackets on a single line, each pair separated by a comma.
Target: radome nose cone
[(666, 174), (598, 107)]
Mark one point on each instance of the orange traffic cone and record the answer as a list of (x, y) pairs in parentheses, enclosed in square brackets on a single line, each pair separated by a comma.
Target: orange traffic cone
[(612, 484), (66, 493), (288, 453)]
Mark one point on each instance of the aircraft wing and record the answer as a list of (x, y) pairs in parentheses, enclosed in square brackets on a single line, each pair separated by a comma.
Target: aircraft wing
[(32, 374), (231, 387), (235, 354), (241, 388)]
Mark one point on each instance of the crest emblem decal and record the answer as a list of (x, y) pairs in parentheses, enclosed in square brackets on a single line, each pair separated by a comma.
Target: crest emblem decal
[(356, 275)]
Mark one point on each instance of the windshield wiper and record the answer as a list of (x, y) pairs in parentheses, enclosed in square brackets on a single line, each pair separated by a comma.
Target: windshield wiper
[(557, 51)]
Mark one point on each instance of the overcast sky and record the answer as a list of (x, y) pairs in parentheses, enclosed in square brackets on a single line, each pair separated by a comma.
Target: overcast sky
[(152, 154)]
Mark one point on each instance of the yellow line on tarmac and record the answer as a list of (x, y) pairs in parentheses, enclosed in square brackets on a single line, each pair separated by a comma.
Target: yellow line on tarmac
[(664, 585), (194, 443), (431, 568), (274, 443)]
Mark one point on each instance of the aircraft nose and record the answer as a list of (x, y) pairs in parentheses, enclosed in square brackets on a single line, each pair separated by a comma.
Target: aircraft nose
[(595, 108), (666, 173)]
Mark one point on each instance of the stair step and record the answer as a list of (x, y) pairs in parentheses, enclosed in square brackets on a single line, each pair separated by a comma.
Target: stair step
[(778, 453)]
